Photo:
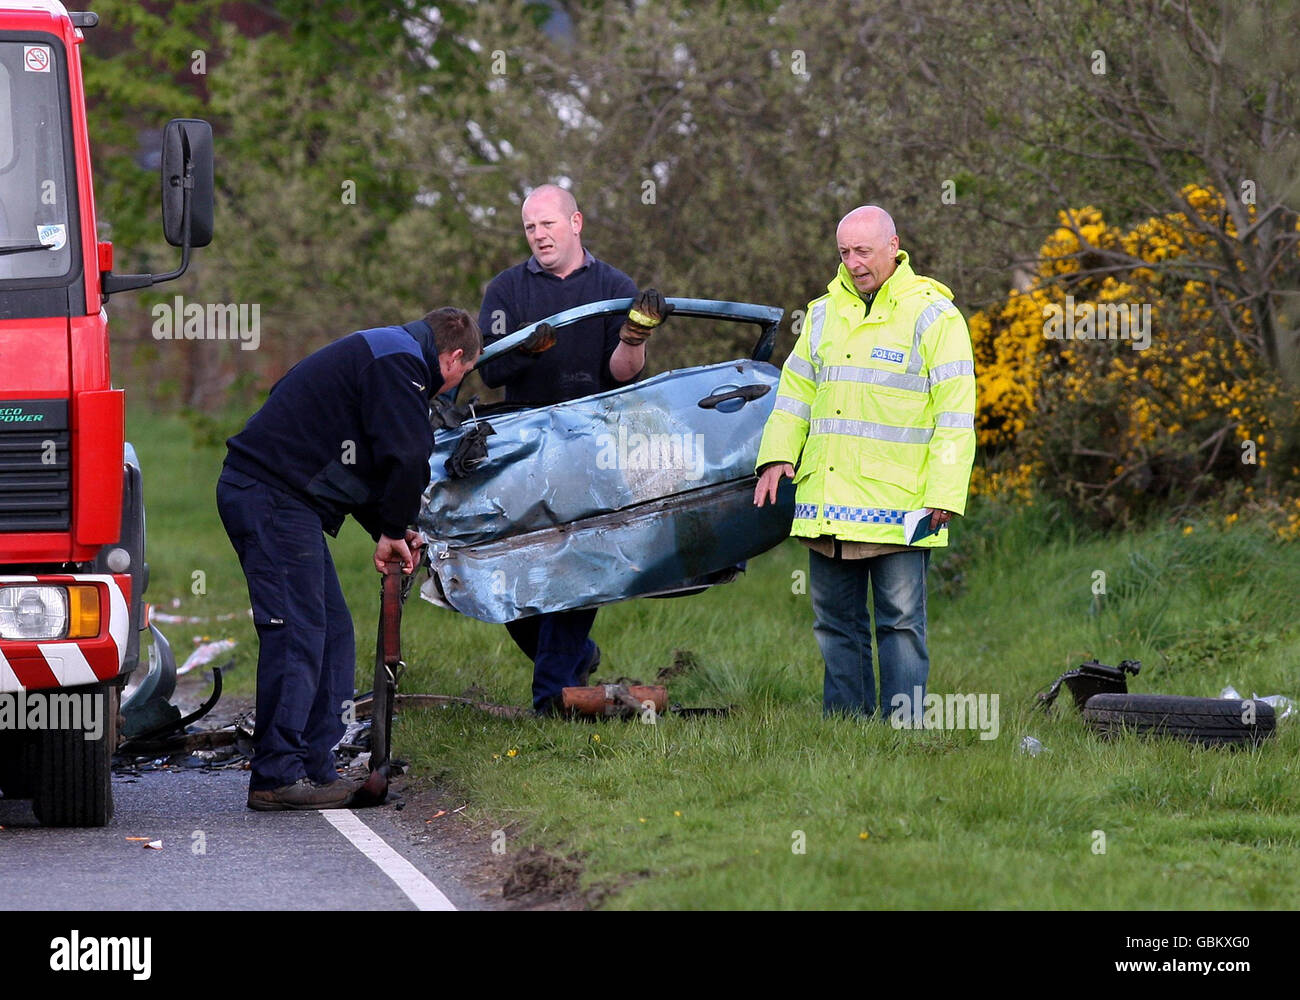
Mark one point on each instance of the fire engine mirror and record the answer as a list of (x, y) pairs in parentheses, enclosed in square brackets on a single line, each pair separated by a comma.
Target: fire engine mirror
[(187, 154)]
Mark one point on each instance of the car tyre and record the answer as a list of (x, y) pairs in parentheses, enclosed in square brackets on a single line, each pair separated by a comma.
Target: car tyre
[(1207, 721)]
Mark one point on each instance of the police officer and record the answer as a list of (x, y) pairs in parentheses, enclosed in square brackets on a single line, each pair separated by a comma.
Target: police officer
[(876, 407), (345, 431)]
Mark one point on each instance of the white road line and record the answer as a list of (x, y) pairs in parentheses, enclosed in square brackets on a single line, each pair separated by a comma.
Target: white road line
[(423, 893)]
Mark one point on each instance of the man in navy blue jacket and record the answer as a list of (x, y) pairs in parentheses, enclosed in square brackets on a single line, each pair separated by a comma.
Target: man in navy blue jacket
[(587, 357), (345, 431)]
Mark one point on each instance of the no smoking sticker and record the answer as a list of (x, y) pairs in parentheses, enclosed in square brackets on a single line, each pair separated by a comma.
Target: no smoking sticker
[(36, 58)]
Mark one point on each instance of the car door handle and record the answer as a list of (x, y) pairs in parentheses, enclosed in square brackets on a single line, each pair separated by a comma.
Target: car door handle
[(744, 394)]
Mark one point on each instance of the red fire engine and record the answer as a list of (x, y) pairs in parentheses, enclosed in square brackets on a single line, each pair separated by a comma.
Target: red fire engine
[(72, 560)]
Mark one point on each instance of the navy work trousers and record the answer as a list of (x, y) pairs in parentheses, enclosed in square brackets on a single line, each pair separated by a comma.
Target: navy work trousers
[(306, 663), (557, 644)]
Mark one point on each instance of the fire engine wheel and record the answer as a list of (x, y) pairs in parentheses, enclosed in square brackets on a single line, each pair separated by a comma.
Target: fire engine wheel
[(1207, 721), (17, 764), (74, 783)]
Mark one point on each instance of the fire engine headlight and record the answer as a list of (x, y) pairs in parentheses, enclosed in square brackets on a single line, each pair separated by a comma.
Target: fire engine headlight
[(31, 612)]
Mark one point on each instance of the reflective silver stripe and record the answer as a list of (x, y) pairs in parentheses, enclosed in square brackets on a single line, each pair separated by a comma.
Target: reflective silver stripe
[(849, 373), (799, 366), (868, 429), (952, 369), (801, 410), (951, 418), (815, 323), (932, 312)]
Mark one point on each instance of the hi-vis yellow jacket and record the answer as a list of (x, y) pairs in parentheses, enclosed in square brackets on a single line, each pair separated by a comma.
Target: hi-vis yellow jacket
[(877, 413)]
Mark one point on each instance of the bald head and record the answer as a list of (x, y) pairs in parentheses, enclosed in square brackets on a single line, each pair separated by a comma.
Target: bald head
[(553, 228), (868, 245), (553, 196), (869, 219)]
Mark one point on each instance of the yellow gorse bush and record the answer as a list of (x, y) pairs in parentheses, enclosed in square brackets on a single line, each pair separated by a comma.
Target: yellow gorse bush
[(1118, 386)]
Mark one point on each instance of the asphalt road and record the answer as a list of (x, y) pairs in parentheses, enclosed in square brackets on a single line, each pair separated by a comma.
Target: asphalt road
[(216, 854)]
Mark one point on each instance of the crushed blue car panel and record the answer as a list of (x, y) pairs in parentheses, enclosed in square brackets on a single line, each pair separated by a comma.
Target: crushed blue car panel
[(635, 492)]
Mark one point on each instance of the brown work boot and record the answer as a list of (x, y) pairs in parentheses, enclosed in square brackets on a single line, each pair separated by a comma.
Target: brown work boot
[(302, 794)]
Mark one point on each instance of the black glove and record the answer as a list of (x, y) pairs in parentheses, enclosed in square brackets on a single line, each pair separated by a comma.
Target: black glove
[(445, 415), (647, 313), (470, 452), (541, 339)]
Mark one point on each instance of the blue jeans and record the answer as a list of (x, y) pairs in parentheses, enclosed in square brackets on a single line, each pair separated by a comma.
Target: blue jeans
[(839, 596), (306, 661)]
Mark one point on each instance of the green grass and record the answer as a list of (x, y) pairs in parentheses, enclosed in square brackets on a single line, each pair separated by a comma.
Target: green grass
[(950, 820)]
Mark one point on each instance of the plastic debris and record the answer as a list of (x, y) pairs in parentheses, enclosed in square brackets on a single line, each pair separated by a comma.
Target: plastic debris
[(153, 845), (1283, 707), (166, 618), (1030, 746), (206, 653)]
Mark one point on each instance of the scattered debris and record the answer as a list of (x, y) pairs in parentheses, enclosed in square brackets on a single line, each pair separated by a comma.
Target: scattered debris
[(1030, 746), (1207, 721), (1089, 679), (153, 845), (169, 619), (205, 654), (141, 839), (1283, 707), (606, 700)]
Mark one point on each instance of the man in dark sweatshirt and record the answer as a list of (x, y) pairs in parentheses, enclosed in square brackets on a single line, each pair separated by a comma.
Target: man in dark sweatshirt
[(345, 431), (590, 356)]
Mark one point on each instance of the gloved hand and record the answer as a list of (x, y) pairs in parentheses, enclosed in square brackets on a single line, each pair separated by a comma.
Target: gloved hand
[(647, 313), (470, 452), (541, 339)]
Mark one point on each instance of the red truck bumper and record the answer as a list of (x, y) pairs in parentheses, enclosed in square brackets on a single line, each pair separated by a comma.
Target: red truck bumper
[(53, 663)]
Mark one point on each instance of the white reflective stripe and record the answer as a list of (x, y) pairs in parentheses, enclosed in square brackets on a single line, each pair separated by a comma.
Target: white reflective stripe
[(931, 313), (799, 366), (17, 579), (815, 323), (8, 679), (801, 410), (869, 429), (951, 418), (873, 376), (951, 369), (118, 617), (73, 669)]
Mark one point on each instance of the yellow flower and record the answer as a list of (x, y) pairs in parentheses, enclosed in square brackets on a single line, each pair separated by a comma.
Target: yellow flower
[(595, 737), (1188, 530), (512, 752), (640, 819), (863, 835), (677, 812)]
